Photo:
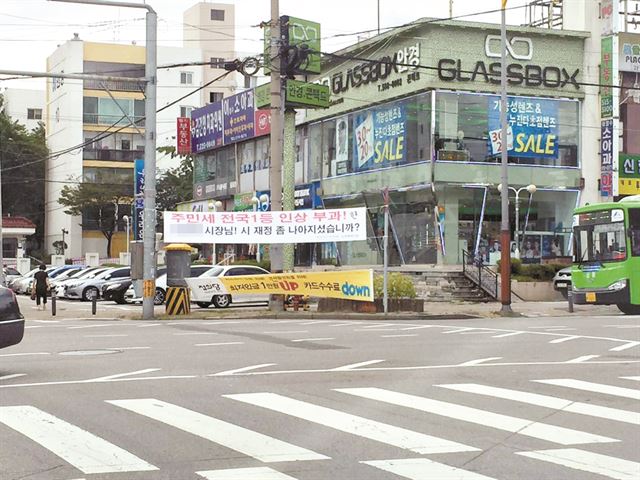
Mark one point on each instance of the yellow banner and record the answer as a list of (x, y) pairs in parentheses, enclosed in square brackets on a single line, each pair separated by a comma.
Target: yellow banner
[(349, 284)]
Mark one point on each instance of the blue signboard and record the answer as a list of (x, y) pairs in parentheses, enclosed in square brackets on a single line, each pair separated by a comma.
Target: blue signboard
[(306, 197), (138, 203), (238, 113), (206, 127), (379, 137), (532, 127)]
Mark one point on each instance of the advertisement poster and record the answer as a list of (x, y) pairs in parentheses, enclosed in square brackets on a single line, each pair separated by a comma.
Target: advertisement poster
[(342, 139), (183, 136), (302, 226), (239, 117), (352, 285), (138, 204), (533, 127), (379, 137), (206, 127), (606, 158)]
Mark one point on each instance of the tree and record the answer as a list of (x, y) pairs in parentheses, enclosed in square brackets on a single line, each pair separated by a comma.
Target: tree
[(23, 155), (175, 185), (99, 202)]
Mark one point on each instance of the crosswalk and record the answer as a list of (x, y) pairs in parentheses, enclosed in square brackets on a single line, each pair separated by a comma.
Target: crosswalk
[(421, 445)]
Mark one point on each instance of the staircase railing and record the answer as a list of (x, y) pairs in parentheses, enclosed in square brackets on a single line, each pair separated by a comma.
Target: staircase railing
[(485, 278)]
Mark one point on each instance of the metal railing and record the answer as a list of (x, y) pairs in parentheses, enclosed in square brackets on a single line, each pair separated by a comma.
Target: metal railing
[(485, 278), (114, 85)]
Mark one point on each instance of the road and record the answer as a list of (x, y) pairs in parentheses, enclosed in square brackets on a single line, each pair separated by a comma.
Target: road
[(259, 399)]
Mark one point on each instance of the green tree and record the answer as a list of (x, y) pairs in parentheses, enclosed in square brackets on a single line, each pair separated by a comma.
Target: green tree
[(175, 185), (101, 203), (23, 155)]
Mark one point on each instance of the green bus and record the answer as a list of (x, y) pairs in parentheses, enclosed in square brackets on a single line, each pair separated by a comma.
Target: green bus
[(606, 249)]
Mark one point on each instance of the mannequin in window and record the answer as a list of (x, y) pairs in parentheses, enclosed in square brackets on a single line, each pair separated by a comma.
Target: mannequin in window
[(460, 141)]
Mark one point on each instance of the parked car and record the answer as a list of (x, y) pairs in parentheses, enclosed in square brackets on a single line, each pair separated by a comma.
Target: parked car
[(23, 284), (89, 288), (161, 284), (114, 290), (562, 281), (11, 320), (223, 301), (10, 274), (82, 276), (58, 283)]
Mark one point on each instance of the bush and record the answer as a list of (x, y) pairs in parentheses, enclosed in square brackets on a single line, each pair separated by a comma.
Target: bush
[(399, 286), (516, 266)]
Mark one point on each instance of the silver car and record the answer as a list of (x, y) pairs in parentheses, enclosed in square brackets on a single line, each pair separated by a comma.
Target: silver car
[(89, 288), (562, 281)]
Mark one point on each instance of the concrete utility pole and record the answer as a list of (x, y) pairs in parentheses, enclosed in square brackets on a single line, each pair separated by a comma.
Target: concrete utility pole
[(2, 279), (275, 173), (149, 231), (505, 236), (289, 179)]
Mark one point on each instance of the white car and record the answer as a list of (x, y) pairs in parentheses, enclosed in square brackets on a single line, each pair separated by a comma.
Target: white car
[(223, 301), (161, 285), (61, 287)]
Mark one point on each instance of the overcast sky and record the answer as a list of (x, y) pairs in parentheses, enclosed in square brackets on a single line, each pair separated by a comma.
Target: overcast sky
[(30, 30)]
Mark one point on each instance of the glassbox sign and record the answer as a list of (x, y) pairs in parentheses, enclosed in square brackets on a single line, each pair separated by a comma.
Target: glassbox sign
[(519, 50), (303, 226)]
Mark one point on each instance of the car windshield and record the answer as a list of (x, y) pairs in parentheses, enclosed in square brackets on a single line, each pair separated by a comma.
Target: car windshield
[(89, 273), (104, 273), (214, 272), (600, 242), (11, 271)]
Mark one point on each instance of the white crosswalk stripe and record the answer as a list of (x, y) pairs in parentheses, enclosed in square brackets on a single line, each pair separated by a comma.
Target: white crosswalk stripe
[(253, 473), (262, 447), (543, 431), (605, 465), (422, 468), (593, 387), (84, 450), (345, 422)]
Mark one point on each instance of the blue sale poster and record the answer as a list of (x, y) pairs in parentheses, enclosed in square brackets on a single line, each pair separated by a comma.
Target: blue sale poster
[(532, 127), (379, 137)]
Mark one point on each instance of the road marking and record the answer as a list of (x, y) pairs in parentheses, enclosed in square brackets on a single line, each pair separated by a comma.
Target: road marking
[(120, 375), (547, 401), (92, 326), (196, 333), (458, 330), (521, 426), (218, 344), (84, 450), (562, 329), (47, 321), (353, 366), (510, 334), (593, 387), (24, 354), (241, 370), (106, 336), (471, 363), (637, 379), (418, 327), (564, 339), (128, 348), (314, 322), (286, 331), (548, 326), (622, 326), (360, 426), (376, 330), (149, 325), (422, 468), (625, 346), (13, 375), (582, 359), (253, 473), (261, 447), (381, 325), (313, 339), (611, 467), (400, 335), (477, 332), (346, 324)]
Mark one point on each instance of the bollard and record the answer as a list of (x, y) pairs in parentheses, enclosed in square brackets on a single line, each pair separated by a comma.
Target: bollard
[(570, 298), (53, 303), (94, 304)]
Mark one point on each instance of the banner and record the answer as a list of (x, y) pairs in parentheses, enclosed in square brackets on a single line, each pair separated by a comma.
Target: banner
[(138, 202), (532, 127), (351, 285), (206, 127), (606, 77), (302, 226), (606, 158), (183, 136), (379, 137)]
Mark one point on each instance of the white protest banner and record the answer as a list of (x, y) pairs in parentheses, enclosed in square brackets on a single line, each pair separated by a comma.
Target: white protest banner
[(301, 226)]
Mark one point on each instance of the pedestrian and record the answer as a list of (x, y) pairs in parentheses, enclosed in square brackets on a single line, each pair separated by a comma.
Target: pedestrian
[(40, 287)]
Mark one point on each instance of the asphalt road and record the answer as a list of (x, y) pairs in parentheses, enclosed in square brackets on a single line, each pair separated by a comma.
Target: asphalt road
[(257, 399)]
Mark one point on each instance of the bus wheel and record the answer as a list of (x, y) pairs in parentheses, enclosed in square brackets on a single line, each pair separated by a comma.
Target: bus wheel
[(629, 309)]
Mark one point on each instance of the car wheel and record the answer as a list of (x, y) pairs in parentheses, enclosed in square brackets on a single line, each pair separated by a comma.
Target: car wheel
[(629, 309), (221, 301), (89, 293), (158, 299), (203, 304), (119, 299)]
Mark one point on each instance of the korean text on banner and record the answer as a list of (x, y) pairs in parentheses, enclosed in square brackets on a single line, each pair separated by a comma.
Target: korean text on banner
[(304, 226), (239, 117), (532, 127), (206, 127), (183, 136), (379, 137), (138, 203), (606, 158), (352, 285)]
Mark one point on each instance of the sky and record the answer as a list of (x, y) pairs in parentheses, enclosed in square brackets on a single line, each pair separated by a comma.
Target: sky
[(30, 30)]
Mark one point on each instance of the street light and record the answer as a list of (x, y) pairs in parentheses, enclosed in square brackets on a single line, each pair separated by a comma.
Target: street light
[(64, 232), (214, 206), (264, 198), (529, 188), (127, 220)]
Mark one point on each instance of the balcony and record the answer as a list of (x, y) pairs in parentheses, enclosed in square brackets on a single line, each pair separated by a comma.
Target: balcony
[(95, 119), (114, 85), (112, 155)]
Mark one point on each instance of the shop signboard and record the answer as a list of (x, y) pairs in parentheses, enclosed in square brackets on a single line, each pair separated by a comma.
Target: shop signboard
[(629, 58), (305, 226), (629, 174), (533, 127), (183, 136), (306, 197), (306, 95), (296, 32), (345, 284), (138, 202), (206, 127), (606, 158), (238, 116), (194, 206), (607, 77), (262, 122), (242, 202), (379, 137)]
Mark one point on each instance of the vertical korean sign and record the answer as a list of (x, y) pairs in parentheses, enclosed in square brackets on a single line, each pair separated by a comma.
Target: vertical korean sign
[(138, 200), (606, 77), (606, 156), (183, 136)]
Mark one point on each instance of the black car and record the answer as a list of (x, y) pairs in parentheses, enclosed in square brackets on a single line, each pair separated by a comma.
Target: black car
[(115, 290), (11, 320)]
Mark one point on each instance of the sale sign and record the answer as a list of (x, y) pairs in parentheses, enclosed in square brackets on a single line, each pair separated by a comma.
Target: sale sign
[(183, 136), (379, 137)]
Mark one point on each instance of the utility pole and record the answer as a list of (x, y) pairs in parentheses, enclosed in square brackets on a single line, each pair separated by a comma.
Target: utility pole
[(288, 179), (505, 236), (276, 137), (2, 278)]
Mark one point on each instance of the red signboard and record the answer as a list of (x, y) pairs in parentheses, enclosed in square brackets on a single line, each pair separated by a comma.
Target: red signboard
[(262, 122), (184, 136)]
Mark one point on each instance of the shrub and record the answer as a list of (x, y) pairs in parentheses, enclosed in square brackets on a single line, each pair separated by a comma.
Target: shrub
[(516, 266), (399, 286)]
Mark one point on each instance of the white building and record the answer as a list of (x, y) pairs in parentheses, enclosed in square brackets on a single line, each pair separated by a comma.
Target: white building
[(24, 105)]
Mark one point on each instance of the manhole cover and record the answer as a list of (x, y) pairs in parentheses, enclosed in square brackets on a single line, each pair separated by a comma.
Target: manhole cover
[(104, 351)]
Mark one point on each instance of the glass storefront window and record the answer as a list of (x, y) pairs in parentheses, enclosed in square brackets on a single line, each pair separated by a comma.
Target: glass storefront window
[(542, 131)]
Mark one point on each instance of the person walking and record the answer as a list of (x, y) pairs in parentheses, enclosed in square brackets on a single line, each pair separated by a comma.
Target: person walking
[(40, 287)]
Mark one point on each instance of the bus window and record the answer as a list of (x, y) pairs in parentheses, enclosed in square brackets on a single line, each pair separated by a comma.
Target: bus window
[(634, 228)]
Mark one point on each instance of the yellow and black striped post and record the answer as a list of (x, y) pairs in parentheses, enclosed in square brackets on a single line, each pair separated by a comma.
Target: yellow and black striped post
[(178, 301)]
